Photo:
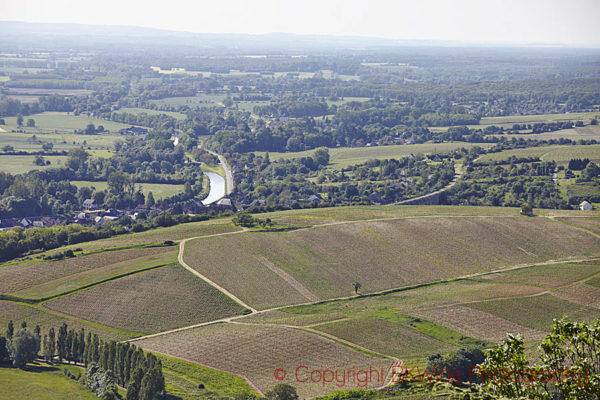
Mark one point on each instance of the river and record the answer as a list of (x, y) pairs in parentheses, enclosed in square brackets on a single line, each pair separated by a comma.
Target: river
[(217, 188)]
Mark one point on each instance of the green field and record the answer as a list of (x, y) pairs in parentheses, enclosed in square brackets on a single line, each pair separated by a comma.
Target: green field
[(41, 381), (62, 122), (61, 141), (148, 111), (23, 164), (341, 157), (152, 301), (201, 100), (182, 379), (159, 190)]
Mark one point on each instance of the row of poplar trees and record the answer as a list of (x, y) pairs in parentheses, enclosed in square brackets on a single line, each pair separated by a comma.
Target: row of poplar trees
[(138, 371)]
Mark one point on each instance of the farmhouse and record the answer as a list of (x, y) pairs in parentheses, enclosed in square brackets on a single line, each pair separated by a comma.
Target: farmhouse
[(133, 131), (89, 204), (586, 206)]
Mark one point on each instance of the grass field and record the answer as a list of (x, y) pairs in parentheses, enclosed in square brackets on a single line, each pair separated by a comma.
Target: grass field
[(152, 301), (62, 122), (342, 157), (560, 154), (61, 141), (23, 164), (41, 279), (41, 381), (137, 111), (159, 190), (257, 351), (327, 260), (201, 100), (182, 379)]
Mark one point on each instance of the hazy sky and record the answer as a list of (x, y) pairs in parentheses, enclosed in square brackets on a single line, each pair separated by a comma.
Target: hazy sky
[(539, 21)]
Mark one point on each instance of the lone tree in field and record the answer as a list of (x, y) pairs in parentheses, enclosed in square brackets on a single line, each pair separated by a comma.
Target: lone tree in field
[(24, 347), (357, 286)]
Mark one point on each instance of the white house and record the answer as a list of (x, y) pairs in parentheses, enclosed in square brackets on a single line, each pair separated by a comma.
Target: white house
[(585, 206)]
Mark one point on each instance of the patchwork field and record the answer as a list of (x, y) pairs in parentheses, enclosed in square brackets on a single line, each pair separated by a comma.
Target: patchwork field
[(42, 279), (255, 352), (381, 255), (152, 301)]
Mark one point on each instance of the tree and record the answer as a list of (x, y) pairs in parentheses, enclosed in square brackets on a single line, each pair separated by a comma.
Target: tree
[(47, 146), (39, 160), (10, 330), (357, 286), (61, 342), (321, 156), (282, 391), (24, 347), (4, 355), (20, 119), (150, 200), (77, 158), (90, 129), (30, 122)]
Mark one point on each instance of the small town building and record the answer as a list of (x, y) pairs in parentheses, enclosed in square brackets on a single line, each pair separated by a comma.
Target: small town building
[(586, 206)]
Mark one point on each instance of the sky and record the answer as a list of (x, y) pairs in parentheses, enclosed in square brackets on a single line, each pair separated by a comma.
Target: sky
[(571, 22)]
